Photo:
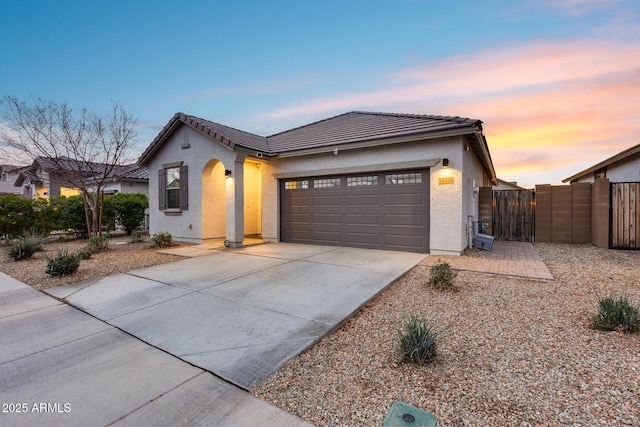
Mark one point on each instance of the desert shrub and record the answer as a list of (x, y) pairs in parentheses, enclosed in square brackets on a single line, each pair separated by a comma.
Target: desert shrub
[(63, 264), (27, 244), (162, 240), (441, 275), (98, 244), (136, 236), (129, 210), (418, 340), (617, 313)]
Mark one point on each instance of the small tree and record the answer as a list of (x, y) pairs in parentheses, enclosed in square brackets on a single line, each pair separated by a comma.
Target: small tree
[(130, 210), (84, 148)]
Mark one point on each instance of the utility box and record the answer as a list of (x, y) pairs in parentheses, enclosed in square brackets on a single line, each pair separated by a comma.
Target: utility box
[(404, 415), (484, 242)]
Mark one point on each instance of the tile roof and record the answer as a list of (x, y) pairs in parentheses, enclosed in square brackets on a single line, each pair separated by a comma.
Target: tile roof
[(225, 135), (358, 126), (134, 172), (352, 127)]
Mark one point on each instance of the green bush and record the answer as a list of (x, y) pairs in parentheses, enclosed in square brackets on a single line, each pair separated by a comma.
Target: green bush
[(617, 314), (19, 214), (129, 210), (27, 244), (418, 341), (162, 240), (69, 214), (98, 244), (441, 276), (63, 264)]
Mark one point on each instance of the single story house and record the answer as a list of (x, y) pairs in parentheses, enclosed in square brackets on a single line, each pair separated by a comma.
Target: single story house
[(622, 167), (361, 179), (8, 175), (44, 178)]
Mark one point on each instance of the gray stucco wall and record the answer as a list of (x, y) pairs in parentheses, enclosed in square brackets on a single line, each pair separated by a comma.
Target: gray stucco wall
[(624, 171), (198, 151)]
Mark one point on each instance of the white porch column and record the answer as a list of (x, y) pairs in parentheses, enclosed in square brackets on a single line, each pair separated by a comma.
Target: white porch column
[(235, 203)]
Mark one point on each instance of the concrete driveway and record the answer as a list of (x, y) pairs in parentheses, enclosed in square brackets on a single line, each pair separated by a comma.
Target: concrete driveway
[(242, 314), (62, 367)]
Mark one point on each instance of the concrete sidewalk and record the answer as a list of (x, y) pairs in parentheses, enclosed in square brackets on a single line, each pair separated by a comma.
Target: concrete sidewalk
[(62, 367), (242, 314), (514, 259)]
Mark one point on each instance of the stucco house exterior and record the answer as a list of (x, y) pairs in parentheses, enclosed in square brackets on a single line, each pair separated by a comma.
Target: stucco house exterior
[(361, 179), (8, 175), (43, 178), (622, 167)]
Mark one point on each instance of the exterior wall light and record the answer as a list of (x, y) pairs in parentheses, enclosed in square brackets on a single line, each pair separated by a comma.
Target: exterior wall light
[(445, 163), (227, 173)]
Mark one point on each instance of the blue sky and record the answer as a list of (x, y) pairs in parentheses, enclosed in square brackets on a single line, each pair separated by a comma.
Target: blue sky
[(556, 82)]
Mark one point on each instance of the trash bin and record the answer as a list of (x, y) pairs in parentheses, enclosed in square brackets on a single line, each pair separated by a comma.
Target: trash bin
[(484, 242)]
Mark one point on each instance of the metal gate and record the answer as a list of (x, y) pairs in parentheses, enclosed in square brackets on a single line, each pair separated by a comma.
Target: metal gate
[(625, 215), (514, 215)]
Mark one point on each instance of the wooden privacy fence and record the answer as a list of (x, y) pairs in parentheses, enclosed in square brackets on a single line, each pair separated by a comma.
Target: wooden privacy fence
[(513, 215), (625, 215)]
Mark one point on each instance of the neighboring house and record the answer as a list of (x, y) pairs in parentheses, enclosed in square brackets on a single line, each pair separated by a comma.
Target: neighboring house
[(44, 178), (8, 175), (507, 185), (371, 180), (623, 167)]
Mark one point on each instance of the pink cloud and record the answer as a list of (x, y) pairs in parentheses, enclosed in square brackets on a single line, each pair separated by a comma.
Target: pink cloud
[(575, 100)]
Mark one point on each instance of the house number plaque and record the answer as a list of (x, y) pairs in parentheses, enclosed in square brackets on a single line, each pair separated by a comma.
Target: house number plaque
[(445, 180)]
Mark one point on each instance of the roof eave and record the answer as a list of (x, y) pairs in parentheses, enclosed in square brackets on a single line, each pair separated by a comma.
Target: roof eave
[(376, 142), (605, 163)]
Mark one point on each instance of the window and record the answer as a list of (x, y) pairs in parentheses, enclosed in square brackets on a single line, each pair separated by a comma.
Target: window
[(404, 178), (326, 183), (357, 181), (173, 188), (296, 185), (173, 184)]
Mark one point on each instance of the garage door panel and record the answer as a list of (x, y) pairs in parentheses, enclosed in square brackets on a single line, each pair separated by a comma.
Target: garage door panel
[(411, 199), (363, 219), (331, 219), (300, 201), (298, 218), (404, 220), (328, 237), (363, 238), (379, 215), (403, 241), (327, 201), (363, 200)]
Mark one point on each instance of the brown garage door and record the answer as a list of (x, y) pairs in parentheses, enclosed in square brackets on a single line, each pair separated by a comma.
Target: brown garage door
[(379, 210)]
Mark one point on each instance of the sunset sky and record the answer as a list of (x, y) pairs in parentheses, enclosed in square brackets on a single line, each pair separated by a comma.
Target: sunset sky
[(556, 82)]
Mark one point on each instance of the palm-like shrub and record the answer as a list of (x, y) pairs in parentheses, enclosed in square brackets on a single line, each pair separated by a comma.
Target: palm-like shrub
[(617, 314), (418, 340), (63, 264), (27, 244)]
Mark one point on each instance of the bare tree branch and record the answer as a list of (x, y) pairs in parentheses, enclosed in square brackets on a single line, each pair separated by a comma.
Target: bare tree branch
[(83, 148)]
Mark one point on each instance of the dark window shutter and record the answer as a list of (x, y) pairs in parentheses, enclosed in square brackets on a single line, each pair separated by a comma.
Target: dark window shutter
[(162, 189), (184, 187)]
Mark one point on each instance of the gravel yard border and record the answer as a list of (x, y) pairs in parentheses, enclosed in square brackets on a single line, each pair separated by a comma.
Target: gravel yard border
[(517, 352), (122, 256)]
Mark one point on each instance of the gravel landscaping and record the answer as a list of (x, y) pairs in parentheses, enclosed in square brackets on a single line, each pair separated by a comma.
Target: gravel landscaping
[(515, 353), (122, 256)]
